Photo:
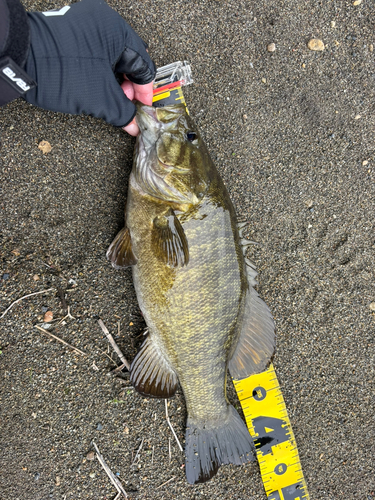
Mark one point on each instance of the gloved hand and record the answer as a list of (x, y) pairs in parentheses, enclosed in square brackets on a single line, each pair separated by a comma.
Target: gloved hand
[(74, 55)]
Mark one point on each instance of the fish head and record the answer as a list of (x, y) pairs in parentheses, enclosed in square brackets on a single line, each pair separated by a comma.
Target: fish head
[(171, 162)]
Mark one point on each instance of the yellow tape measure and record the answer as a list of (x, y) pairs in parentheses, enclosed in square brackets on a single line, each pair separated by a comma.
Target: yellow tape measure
[(268, 423)]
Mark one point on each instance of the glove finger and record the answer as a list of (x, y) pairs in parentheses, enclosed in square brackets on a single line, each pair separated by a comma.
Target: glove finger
[(97, 94), (115, 107), (137, 65)]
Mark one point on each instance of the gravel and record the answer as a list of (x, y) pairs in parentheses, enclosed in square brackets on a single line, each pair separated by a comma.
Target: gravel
[(295, 170)]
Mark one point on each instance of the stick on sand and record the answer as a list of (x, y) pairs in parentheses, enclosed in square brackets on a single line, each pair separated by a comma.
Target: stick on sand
[(111, 340), (24, 297), (60, 340), (170, 425), (114, 480)]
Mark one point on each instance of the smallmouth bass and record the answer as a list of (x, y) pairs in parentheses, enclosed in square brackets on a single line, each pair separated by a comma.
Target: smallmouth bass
[(194, 287)]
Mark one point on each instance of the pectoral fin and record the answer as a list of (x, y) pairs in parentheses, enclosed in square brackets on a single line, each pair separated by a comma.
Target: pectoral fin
[(151, 374), (256, 343), (169, 240), (120, 252)]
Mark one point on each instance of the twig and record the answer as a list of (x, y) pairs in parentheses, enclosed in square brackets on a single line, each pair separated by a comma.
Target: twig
[(60, 340), (166, 482), (139, 449), (152, 456), (114, 480), (118, 369), (24, 297), (109, 357), (113, 344), (169, 449), (62, 298), (67, 316), (170, 425)]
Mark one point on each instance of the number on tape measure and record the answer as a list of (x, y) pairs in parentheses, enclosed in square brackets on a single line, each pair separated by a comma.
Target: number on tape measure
[(268, 423)]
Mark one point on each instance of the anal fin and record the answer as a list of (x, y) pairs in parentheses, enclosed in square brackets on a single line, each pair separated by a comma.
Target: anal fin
[(256, 343), (120, 252), (151, 374)]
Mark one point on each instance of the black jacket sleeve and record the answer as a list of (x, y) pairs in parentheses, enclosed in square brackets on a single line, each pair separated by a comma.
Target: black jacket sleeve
[(74, 54), (14, 48)]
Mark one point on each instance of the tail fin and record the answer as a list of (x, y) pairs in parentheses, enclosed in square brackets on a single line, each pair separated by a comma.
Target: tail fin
[(210, 445)]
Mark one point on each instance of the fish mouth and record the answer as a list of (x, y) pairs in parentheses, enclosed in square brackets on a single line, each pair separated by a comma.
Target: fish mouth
[(151, 127), (151, 173), (148, 124)]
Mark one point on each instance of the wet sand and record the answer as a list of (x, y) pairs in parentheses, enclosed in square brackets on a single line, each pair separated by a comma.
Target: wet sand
[(292, 134)]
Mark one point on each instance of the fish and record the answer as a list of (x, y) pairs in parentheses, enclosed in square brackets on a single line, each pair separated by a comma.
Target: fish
[(194, 287)]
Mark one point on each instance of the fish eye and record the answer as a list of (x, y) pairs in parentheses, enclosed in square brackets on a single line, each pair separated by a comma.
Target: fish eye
[(191, 136)]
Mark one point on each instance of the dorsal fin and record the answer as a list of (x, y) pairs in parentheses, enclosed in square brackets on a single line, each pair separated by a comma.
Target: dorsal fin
[(256, 343)]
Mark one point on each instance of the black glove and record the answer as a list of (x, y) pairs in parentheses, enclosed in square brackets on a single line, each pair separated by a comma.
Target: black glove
[(74, 55)]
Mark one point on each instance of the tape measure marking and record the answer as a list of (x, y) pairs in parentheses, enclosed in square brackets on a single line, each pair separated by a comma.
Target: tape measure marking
[(268, 423)]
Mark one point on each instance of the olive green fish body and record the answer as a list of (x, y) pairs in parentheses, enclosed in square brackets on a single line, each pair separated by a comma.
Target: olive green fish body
[(192, 311), (193, 287)]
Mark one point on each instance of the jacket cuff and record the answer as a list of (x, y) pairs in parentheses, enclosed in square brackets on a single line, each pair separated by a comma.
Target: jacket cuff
[(14, 47), (14, 31)]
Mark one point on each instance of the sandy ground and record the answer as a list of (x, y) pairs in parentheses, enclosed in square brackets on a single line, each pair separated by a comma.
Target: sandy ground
[(292, 134)]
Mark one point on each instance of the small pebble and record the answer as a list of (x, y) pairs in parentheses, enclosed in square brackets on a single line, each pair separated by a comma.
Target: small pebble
[(372, 306), (58, 481), (364, 163), (16, 252), (36, 476), (92, 475), (46, 326), (44, 309), (45, 146), (271, 47), (316, 44), (244, 117), (309, 203), (99, 427), (333, 24), (35, 277), (48, 317), (264, 80), (90, 455), (371, 47), (5, 276), (357, 117), (126, 429), (357, 2)]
